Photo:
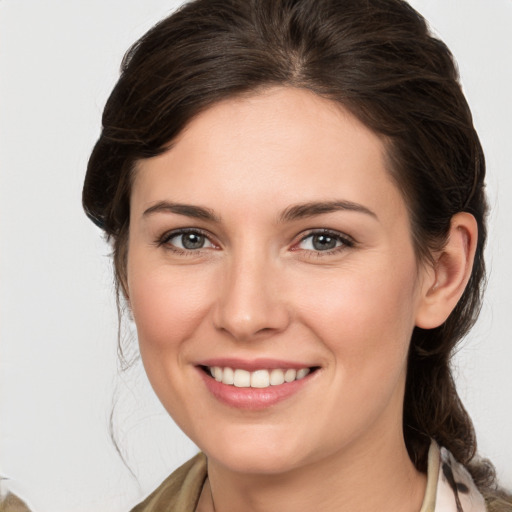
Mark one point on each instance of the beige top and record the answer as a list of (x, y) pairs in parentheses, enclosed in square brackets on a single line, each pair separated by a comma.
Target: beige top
[(449, 487)]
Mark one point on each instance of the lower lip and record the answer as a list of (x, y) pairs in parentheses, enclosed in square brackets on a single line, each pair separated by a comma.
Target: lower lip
[(253, 398)]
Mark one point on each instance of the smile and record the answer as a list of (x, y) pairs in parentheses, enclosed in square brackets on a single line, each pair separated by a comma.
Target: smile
[(256, 379), (256, 384)]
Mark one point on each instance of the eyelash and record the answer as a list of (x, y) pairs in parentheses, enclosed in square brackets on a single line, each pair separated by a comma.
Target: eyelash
[(164, 240), (345, 242)]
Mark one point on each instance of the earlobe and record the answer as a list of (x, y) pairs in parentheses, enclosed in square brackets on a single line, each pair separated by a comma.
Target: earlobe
[(447, 280)]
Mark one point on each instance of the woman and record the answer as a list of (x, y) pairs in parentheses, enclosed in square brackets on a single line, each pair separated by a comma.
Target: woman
[(294, 190)]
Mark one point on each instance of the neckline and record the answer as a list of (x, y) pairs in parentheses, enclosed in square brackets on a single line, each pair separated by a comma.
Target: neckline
[(429, 501)]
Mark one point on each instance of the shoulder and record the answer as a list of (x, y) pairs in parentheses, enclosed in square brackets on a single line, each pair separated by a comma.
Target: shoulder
[(180, 491)]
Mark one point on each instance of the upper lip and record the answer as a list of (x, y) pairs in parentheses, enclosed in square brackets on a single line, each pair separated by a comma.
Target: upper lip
[(254, 364)]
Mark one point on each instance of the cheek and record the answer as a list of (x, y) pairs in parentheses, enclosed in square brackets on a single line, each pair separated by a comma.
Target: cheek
[(366, 322), (365, 318), (167, 307)]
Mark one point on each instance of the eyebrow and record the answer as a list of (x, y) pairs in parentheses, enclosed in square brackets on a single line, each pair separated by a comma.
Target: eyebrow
[(188, 210), (311, 209), (295, 212)]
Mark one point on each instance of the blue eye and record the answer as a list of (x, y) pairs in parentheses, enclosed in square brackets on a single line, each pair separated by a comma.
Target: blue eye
[(187, 240), (323, 241)]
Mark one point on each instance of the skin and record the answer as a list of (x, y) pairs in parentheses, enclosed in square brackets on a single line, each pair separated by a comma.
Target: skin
[(259, 288)]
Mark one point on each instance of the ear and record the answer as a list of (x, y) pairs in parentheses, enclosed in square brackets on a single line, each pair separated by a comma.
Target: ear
[(444, 284)]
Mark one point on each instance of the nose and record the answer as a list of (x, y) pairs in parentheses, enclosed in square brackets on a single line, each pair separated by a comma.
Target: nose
[(251, 300)]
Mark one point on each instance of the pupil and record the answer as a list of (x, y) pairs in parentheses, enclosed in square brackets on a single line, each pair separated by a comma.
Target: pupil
[(192, 241), (324, 242)]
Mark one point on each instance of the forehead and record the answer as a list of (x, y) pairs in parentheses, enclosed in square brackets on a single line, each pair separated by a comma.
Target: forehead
[(281, 146)]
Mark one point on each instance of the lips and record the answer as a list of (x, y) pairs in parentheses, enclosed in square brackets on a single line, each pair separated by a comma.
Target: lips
[(254, 385)]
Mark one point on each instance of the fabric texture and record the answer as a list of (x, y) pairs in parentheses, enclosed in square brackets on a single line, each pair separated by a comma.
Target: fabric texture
[(179, 492), (449, 487), (456, 491)]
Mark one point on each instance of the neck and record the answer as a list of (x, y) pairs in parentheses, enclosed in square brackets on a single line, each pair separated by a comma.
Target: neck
[(378, 476)]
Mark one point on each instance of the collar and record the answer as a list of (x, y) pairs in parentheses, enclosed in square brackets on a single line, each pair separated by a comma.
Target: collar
[(450, 487)]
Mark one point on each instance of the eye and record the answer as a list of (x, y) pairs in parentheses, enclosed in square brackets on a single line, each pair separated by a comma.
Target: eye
[(324, 241), (186, 240)]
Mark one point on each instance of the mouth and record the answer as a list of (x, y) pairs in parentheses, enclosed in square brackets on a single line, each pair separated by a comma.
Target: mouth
[(255, 384), (259, 379)]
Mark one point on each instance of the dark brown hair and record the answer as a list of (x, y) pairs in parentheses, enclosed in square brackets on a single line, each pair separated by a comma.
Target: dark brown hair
[(378, 59)]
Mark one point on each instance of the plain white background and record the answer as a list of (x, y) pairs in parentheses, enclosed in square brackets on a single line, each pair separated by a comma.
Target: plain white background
[(58, 62)]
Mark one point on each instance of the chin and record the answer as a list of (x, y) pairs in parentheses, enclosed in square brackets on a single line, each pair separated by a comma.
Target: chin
[(254, 461), (260, 453)]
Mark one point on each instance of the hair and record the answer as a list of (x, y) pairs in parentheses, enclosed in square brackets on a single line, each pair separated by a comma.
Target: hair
[(378, 59)]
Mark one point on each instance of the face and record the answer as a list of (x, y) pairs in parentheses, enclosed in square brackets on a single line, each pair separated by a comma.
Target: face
[(273, 282)]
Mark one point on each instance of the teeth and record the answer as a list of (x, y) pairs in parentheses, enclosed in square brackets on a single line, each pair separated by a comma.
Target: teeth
[(276, 377), (302, 373), (217, 374), (228, 376), (290, 375), (260, 379), (242, 379), (257, 379)]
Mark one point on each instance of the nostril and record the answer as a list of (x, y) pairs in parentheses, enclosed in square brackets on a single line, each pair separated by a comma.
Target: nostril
[(265, 330)]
